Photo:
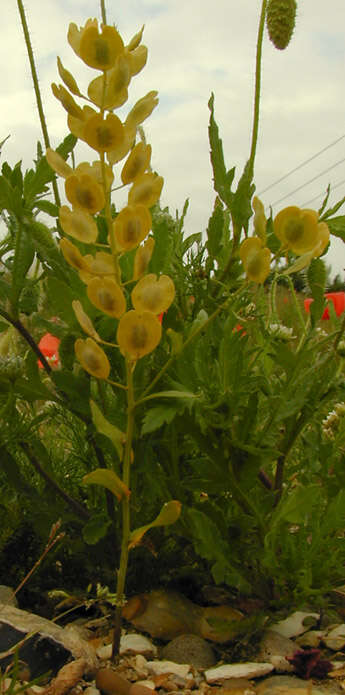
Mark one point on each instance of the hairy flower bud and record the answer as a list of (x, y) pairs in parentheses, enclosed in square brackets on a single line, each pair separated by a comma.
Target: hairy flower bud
[(280, 18)]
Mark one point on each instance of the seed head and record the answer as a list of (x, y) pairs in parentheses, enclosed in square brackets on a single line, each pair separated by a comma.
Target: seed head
[(280, 18)]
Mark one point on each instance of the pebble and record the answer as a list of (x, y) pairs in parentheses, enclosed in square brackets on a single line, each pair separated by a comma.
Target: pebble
[(294, 624), (246, 670), (190, 649), (161, 667), (274, 648), (312, 639), (335, 638), (291, 685)]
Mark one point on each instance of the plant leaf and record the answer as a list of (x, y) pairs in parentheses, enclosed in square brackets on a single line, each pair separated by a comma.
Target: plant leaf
[(109, 430), (169, 513), (109, 480)]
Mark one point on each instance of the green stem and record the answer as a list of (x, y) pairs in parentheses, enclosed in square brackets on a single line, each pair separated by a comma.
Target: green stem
[(121, 577), (296, 303), (255, 129), (103, 12), (36, 88)]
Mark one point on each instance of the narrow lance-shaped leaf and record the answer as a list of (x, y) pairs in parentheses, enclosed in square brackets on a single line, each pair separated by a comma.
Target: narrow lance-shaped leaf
[(104, 427), (221, 178), (109, 480), (169, 513), (317, 282)]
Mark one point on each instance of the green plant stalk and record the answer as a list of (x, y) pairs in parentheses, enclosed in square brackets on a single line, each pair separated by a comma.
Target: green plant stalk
[(255, 130), (125, 504), (36, 89), (295, 301), (103, 12)]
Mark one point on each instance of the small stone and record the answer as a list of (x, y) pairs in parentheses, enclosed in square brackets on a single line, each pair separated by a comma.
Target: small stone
[(91, 690), (147, 683), (335, 638), (190, 649), (294, 624), (274, 648), (246, 670), (161, 667), (291, 685), (310, 639), (104, 652), (235, 686), (111, 683), (137, 644)]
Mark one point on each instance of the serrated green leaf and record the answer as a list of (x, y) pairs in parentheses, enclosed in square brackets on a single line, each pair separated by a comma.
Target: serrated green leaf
[(241, 209), (215, 231), (336, 226), (96, 528), (158, 416), (107, 429), (168, 515), (222, 179), (108, 479)]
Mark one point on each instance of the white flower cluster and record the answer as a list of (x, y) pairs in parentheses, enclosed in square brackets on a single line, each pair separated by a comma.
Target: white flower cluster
[(278, 330), (331, 423)]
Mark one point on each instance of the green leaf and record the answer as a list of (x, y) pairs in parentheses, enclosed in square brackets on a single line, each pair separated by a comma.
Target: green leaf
[(337, 226), (241, 208), (222, 179), (210, 545), (168, 515), (108, 479), (190, 240), (215, 231), (96, 528), (156, 417), (48, 207), (298, 504), (104, 427)]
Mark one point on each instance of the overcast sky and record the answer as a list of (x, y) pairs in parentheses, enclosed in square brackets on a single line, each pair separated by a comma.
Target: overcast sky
[(197, 47)]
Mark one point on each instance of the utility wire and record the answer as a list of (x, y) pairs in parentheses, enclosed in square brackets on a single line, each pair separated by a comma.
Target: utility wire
[(301, 165), (325, 171), (320, 194)]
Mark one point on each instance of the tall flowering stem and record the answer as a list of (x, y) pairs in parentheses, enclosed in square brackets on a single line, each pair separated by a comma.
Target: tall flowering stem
[(255, 129), (133, 302)]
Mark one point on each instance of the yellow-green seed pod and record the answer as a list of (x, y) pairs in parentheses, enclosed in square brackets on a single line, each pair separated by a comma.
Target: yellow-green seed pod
[(280, 18)]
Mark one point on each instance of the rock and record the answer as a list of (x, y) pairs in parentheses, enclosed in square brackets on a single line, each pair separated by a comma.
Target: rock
[(310, 639), (137, 644), (245, 670), (291, 685), (274, 648), (335, 638), (227, 627), (50, 646), (7, 596), (295, 624), (235, 686), (190, 649), (67, 678), (161, 667), (167, 614)]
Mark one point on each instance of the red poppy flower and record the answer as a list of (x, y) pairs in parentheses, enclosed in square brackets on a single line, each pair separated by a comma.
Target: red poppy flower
[(49, 346), (338, 299)]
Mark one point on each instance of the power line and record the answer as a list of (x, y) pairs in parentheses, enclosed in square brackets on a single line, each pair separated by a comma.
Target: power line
[(318, 196), (301, 165), (325, 171)]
